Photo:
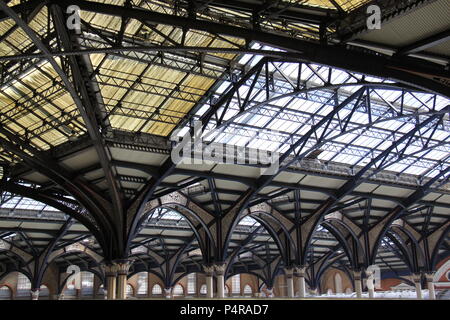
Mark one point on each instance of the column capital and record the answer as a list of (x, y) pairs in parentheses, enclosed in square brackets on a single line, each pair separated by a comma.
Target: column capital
[(209, 270), (34, 294), (269, 292), (300, 271), (123, 266), (417, 277), (110, 269), (429, 276), (289, 272), (357, 274), (168, 292), (220, 269)]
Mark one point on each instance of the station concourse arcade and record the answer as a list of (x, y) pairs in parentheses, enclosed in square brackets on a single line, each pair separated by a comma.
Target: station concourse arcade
[(224, 148)]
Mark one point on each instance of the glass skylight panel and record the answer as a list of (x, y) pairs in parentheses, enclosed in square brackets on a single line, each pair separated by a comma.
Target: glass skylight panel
[(256, 144), (326, 155), (291, 69), (309, 106), (348, 90), (343, 158), (223, 87), (436, 155), (246, 58), (412, 149), (296, 112), (260, 97), (248, 221), (325, 110), (388, 95), (365, 141), (391, 125), (397, 167), (237, 140), (284, 125), (373, 79), (306, 73), (255, 60), (411, 101), (441, 102), (24, 204), (281, 102), (360, 118), (424, 99), (384, 145), (406, 127), (439, 135), (338, 76), (433, 173), (258, 120), (304, 129), (243, 90), (171, 215), (292, 127), (284, 148), (10, 204), (269, 48), (346, 138), (322, 71), (231, 112), (415, 170)]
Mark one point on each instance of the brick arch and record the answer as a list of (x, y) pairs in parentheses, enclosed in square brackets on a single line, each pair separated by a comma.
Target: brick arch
[(78, 248), (160, 284), (11, 290), (24, 257), (258, 276), (63, 283), (442, 271), (182, 286), (134, 291), (247, 284), (50, 288), (328, 280), (228, 289)]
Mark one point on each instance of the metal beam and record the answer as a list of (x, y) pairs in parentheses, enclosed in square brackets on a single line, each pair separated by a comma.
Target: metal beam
[(425, 44), (423, 75)]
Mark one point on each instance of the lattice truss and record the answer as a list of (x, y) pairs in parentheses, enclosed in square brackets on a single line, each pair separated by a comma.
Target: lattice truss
[(126, 83)]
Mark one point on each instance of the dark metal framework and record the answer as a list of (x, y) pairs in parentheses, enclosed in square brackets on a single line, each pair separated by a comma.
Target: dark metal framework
[(362, 138)]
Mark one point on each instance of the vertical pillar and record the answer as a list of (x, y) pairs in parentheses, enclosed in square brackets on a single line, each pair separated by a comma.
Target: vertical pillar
[(370, 283), (122, 272), (314, 291), (220, 273), (111, 275), (371, 292), (417, 282), (269, 292), (168, 293), (431, 292), (300, 273), (34, 294), (289, 274), (358, 283), (209, 273)]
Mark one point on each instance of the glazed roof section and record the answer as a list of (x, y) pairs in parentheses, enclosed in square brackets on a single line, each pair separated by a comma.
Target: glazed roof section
[(144, 92), (275, 125), (141, 91)]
